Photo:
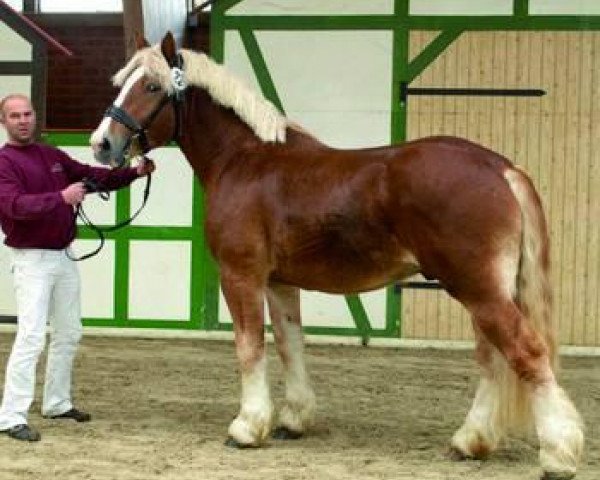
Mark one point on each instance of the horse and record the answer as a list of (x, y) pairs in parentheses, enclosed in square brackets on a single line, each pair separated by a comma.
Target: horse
[(286, 212)]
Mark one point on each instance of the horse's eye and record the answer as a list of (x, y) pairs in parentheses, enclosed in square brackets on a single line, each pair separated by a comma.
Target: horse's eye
[(152, 88)]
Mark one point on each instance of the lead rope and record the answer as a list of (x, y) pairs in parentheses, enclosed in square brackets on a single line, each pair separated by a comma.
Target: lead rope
[(104, 194)]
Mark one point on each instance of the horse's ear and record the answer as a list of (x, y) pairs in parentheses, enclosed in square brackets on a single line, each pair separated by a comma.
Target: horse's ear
[(168, 47), (140, 41)]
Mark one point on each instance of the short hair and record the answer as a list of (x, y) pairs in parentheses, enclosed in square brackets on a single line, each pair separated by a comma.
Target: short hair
[(11, 96)]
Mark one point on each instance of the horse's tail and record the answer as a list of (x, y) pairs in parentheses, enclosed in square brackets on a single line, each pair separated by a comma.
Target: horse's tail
[(534, 292), (533, 296)]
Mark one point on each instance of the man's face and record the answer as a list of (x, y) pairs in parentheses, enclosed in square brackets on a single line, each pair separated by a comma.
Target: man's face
[(18, 119)]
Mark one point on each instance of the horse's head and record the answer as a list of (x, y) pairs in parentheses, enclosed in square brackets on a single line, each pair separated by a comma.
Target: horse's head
[(145, 114)]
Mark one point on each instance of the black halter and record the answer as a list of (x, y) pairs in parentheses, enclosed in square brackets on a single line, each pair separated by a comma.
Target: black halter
[(139, 131)]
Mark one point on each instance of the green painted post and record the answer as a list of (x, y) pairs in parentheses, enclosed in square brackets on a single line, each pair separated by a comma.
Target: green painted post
[(521, 8), (217, 32), (360, 317), (259, 65), (205, 275), (400, 49)]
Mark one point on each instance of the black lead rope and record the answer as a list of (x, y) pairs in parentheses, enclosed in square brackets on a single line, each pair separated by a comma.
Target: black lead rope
[(101, 231)]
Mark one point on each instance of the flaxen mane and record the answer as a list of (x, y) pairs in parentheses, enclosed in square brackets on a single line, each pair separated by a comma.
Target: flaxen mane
[(260, 114)]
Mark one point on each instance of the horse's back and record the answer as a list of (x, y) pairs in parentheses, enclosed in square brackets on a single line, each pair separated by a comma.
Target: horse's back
[(437, 155), (456, 149)]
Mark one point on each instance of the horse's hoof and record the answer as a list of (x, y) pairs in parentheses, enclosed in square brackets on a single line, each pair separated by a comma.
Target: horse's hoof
[(557, 476), (284, 433), (233, 443), (456, 455)]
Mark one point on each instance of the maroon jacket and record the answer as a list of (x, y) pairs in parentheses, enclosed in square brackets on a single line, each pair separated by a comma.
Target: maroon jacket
[(33, 213)]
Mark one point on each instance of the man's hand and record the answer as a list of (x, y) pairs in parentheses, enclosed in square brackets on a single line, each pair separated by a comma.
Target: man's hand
[(74, 193), (145, 167)]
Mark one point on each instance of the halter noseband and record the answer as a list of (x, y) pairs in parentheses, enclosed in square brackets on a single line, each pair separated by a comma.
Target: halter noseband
[(140, 130)]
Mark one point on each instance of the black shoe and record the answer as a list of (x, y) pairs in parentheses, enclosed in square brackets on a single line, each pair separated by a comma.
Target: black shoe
[(75, 414), (23, 432)]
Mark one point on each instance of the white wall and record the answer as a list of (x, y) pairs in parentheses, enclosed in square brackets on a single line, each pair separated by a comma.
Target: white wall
[(416, 7), (563, 7), (13, 48), (313, 7)]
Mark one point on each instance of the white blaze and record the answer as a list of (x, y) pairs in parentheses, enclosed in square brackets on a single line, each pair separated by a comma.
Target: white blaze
[(102, 131)]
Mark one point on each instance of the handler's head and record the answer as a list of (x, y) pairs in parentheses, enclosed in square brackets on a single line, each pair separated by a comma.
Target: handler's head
[(18, 118)]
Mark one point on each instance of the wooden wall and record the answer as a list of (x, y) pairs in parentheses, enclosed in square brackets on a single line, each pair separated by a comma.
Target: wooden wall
[(553, 137)]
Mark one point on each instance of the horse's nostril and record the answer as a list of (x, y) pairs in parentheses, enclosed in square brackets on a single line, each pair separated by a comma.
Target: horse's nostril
[(105, 145)]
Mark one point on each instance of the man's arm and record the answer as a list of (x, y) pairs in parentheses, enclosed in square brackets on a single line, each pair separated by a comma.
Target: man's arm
[(107, 179)]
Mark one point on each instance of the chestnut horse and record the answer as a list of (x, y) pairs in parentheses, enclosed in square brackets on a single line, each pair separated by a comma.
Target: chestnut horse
[(285, 212)]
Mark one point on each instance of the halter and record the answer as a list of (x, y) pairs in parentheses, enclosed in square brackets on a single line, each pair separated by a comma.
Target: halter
[(140, 130)]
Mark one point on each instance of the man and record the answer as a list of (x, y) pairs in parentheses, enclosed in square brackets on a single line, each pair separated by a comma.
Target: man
[(39, 188)]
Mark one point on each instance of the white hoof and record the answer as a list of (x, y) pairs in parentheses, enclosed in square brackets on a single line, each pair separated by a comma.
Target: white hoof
[(560, 431), (297, 415), (472, 443), (559, 459), (250, 431)]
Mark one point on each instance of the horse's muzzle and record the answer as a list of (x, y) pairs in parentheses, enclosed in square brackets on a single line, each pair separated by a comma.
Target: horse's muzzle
[(102, 152), (106, 153)]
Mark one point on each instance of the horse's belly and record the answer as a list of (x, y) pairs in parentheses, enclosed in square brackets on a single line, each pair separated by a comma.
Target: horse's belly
[(336, 273)]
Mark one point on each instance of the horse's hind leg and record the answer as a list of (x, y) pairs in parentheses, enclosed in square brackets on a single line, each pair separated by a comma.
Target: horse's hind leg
[(298, 410), (245, 298), (556, 420), (482, 429)]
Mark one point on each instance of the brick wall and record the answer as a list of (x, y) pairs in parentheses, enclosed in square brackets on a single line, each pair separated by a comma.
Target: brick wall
[(79, 87), (198, 32)]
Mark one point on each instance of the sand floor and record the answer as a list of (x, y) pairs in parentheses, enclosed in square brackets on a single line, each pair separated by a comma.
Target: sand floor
[(161, 410)]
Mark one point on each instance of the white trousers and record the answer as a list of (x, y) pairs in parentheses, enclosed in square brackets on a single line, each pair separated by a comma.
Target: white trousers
[(47, 289)]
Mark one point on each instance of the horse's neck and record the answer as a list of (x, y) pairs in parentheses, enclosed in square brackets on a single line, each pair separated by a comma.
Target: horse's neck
[(212, 134)]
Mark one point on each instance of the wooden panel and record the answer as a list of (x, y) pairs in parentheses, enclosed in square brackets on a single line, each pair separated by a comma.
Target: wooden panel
[(133, 23), (551, 137), (592, 317)]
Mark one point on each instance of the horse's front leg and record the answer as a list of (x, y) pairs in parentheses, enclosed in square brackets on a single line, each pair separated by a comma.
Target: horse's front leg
[(298, 410), (245, 298)]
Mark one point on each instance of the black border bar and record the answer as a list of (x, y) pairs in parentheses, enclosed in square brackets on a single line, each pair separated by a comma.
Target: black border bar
[(405, 91)]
